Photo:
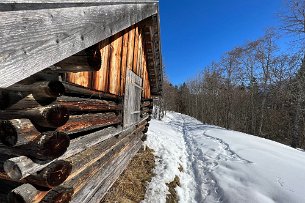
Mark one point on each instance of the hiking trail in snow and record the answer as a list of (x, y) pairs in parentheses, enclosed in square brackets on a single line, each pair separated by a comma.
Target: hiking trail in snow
[(221, 165)]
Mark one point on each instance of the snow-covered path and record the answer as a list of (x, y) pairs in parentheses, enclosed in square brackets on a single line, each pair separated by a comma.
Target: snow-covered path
[(221, 165)]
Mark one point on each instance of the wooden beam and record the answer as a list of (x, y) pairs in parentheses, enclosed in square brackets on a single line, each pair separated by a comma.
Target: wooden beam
[(33, 40)]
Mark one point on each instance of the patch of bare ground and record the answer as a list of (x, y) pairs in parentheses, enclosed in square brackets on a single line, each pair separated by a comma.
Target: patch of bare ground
[(131, 185), (172, 197)]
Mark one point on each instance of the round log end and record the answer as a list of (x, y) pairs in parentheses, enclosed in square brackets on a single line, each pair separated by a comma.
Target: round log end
[(8, 133), (22, 194), (12, 169), (54, 144), (95, 59), (56, 88), (57, 115), (57, 172), (58, 194)]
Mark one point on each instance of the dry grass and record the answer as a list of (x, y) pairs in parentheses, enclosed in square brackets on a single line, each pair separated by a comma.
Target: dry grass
[(173, 197), (131, 185)]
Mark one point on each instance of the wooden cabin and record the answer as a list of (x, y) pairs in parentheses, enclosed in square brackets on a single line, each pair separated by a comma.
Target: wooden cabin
[(77, 79)]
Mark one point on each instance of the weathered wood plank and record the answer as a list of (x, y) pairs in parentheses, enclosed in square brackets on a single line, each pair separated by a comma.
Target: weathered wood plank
[(100, 155), (107, 173), (124, 61), (33, 40), (106, 184), (136, 50), (100, 77), (131, 41), (115, 64)]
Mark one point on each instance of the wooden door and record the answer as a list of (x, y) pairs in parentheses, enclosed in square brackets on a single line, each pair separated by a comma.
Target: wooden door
[(132, 98)]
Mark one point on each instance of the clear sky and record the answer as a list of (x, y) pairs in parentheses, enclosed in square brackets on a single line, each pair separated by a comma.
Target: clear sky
[(196, 32)]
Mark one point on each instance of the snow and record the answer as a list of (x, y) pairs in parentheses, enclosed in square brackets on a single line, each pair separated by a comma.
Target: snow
[(220, 165)]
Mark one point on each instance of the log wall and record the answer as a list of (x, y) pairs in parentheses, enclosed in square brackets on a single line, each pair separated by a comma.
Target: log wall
[(120, 52), (74, 153)]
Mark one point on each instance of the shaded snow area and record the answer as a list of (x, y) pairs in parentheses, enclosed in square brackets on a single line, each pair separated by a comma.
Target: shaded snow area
[(220, 165)]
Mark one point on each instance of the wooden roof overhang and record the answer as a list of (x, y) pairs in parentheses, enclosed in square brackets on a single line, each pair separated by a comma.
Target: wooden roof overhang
[(153, 53), (35, 34)]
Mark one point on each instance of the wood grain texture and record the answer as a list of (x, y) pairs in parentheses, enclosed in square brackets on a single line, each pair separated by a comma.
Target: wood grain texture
[(107, 175), (132, 99), (130, 48), (115, 64), (106, 184), (124, 61), (33, 40), (135, 50), (101, 79)]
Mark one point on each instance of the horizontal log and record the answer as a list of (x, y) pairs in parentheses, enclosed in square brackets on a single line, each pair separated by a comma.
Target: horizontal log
[(77, 145), (81, 105), (43, 90), (52, 175), (75, 105), (48, 146), (79, 91), (105, 178), (51, 116), (18, 132), (86, 60), (101, 152), (85, 167), (85, 122), (21, 167), (28, 194)]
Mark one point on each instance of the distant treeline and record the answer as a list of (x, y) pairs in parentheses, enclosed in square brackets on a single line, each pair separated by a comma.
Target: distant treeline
[(254, 88)]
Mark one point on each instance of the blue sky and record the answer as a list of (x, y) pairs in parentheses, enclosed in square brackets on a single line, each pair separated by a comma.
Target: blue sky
[(196, 32)]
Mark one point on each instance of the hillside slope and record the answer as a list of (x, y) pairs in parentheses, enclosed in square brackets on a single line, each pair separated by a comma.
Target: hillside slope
[(220, 165)]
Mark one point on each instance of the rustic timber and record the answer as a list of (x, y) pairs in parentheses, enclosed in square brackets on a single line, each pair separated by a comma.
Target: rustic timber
[(47, 147), (51, 116), (75, 105), (100, 156), (79, 91), (110, 173), (18, 168), (86, 60), (49, 177), (85, 122), (68, 34), (43, 92), (18, 132), (26, 193)]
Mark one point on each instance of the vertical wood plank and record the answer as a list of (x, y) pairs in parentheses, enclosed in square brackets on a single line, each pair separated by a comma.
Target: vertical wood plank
[(124, 61), (140, 64), (130, 48), (80, 78), (100, 77), (136, 49), (115, 64)]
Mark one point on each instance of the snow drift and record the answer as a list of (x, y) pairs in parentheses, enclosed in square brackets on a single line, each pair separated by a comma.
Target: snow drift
[(220, 165)]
